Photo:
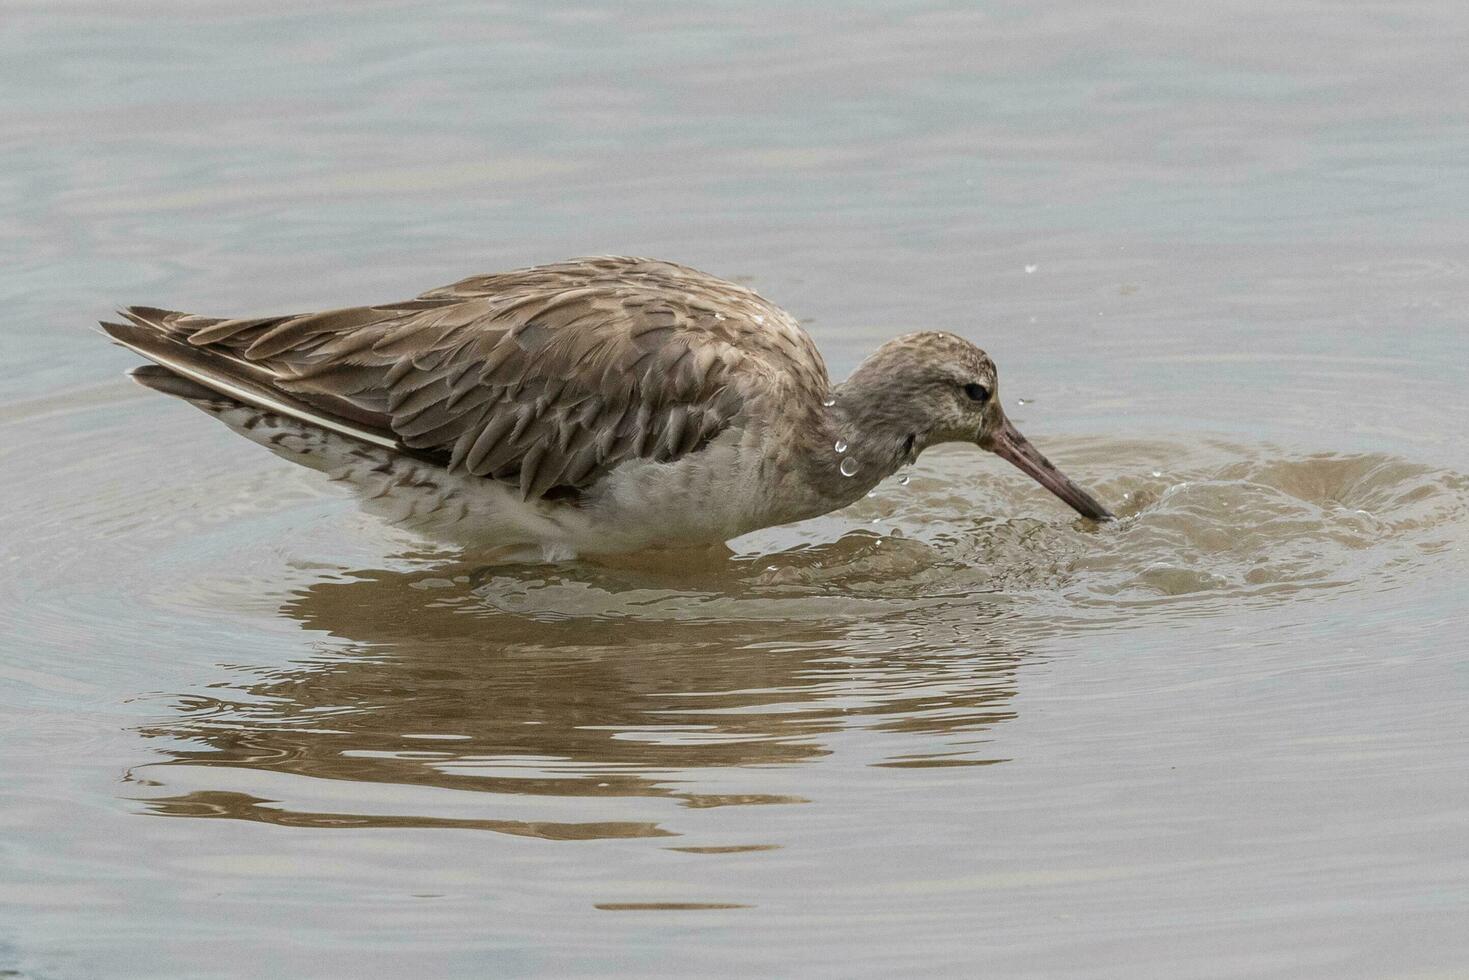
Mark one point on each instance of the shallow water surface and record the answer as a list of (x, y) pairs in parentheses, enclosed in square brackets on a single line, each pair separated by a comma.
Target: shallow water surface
[(247, 729)]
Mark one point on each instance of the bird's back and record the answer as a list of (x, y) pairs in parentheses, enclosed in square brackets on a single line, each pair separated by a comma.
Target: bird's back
[(543, 379)]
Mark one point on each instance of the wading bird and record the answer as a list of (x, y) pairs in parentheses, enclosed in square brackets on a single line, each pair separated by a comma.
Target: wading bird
[(592, 406)]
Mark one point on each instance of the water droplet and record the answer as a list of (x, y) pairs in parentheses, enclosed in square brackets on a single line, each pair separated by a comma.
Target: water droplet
[(904, 480), (719, 316), (828, 402), (873, 493), (840, 445), (849, 467), (759, 319), (1031, 268), (1157, 472), (1022, 401)]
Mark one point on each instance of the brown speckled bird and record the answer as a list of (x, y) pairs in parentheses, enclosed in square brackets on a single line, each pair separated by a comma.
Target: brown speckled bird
[(591, 406)]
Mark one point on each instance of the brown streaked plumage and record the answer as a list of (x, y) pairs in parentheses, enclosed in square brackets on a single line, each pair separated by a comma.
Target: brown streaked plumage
[(600, 404)]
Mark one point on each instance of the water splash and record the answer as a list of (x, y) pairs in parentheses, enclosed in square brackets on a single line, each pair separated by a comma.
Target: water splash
[(1233, 524), (849, 467)]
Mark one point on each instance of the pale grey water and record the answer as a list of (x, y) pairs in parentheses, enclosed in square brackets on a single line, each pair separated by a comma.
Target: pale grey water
[(246, 730)]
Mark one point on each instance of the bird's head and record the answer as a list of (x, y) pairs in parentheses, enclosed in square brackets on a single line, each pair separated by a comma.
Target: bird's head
[(926, 388)]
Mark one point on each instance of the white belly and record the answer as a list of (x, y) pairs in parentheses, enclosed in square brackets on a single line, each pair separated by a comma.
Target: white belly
[(708, 497), (705, 498)]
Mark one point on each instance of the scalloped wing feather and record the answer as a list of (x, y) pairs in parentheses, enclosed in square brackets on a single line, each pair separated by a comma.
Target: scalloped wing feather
[(541, 378)]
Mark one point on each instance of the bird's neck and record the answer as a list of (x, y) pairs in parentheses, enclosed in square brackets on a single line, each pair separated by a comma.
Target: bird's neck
[(853, 446)]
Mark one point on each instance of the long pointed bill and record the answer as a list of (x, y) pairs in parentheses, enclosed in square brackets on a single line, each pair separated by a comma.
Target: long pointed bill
[(1008, 443)]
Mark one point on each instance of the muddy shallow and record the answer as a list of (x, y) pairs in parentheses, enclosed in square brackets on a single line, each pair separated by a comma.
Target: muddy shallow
[(246, 729)]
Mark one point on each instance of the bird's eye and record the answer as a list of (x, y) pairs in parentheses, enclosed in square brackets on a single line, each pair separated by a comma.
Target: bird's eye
[(976, 392)]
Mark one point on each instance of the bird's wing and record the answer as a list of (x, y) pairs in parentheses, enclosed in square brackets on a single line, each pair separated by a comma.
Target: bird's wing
[(544, 378)]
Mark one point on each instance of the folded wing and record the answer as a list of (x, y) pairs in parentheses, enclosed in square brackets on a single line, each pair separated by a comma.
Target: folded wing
[(544, 378)]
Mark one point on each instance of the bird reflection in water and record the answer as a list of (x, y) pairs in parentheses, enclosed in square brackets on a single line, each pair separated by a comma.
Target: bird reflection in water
[(656, 693)]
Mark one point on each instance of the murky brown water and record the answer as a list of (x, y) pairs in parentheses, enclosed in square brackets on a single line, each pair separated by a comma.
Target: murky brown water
[(246, 730)]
